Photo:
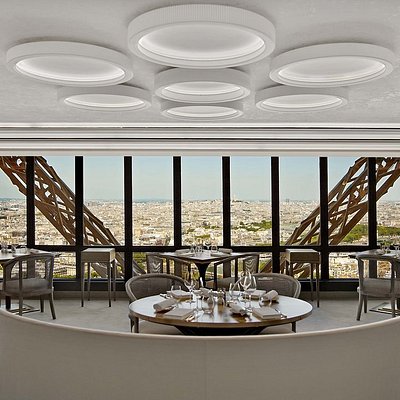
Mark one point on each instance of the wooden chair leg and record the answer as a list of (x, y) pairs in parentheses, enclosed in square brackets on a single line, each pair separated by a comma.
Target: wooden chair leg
[(365, 304), (115, 280), (360, 304), (393, 304), (88, 280), (51, 301), (312, 281), (41, 304), (21, 305), (109, 283)]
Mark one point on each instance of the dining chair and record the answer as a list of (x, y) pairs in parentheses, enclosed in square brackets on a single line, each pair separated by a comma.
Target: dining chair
[(146, 285), (376, 286), (249, 263), (29, 276), (154, 263), (285, 285)]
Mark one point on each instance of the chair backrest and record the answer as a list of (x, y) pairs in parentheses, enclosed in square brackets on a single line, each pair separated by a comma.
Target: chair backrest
[(154, 263), (137, 269), (371, 283), (250, 263), (151, 284), (23, 273), (283, 284), (179, 266)]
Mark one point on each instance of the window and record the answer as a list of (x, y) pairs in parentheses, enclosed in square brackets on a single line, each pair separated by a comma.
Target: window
[(299, 200), (251, 201), (153, 217), (201, 200)]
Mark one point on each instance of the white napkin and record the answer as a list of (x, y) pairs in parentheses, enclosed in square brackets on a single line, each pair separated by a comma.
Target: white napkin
[(255, 295), (266, 313), (180, 294), (164, 305), (238, 309), (272, 295), (179, 313)]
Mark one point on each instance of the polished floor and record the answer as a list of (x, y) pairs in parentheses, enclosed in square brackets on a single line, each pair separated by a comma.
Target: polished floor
[(336, 310)]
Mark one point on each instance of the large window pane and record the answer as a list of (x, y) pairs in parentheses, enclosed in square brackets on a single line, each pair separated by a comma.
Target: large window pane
[(104, 197), (201, 200), (64, 266), (153, 215), (251, 201), (348, 200), (12, 201), (299, 200), (388, 205), (54, 200)]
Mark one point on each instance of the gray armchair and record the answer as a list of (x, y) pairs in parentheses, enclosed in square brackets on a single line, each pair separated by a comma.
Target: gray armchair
[(29, 276)]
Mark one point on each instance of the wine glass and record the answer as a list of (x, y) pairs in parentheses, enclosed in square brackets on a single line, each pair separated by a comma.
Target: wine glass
[(207, 245), (197, 287), (189, 282), (214, 248), (234, 291), (251, 288)]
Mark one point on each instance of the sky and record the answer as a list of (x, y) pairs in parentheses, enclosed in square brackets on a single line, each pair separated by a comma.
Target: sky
[(201, 178)]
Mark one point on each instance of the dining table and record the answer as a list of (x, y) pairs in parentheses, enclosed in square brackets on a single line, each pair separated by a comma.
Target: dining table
[(222, 321), (203, 259)]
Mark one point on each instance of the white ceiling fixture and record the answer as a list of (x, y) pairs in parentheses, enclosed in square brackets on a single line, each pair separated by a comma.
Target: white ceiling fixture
[(69, 63), (202, 86), (334, 64), (293, 99), (202, 112), (109, 98), (201, 36)]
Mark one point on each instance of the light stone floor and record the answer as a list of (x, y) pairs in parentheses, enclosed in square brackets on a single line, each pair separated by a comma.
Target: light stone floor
[(336, 310)]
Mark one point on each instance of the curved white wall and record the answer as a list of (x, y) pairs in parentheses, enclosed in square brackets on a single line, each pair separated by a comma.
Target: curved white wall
[(40, 361)]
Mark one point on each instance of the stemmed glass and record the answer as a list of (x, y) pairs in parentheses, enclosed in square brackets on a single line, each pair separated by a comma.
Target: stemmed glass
[(249, 286), (207, 245), (197, 287), (190, 283), (234, 292)]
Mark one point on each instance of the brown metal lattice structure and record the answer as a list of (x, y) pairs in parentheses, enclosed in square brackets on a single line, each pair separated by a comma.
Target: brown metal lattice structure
[(56, 201), (347, 204)]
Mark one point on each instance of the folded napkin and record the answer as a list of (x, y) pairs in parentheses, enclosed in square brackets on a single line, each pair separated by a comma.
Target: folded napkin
[(179, 313), (180, 294), (272, 295), (267, 313), (238, 309), (226, 251), (164, 305), (255, 295), (34, 251), (182, 251)]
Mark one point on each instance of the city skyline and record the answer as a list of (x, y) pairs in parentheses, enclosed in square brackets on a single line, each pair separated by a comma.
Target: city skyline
[(201, 178)]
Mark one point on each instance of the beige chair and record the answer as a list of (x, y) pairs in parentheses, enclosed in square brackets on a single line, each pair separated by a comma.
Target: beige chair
[(29, 276), (250, 263), (151, 285), (283, 284), (375, 286), (305, 256), (154, 263), (102, 256)]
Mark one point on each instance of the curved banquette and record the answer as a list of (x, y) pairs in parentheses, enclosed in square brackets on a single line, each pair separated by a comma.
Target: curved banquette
[(41, 361)]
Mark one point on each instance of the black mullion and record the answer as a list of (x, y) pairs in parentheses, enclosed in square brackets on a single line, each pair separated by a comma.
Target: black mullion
[(372, 215), (177, 201), (226, 201), (30, 201), (324, 217), (78, 212), (275, 214), (128, 217)]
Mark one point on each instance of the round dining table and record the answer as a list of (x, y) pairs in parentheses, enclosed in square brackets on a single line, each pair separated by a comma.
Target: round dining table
[(222, 321)]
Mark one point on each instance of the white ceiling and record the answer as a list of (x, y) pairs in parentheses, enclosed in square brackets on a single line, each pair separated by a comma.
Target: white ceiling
[(26, 103)]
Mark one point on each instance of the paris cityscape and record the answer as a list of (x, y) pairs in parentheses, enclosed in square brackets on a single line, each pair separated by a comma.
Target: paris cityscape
[(201, 222)]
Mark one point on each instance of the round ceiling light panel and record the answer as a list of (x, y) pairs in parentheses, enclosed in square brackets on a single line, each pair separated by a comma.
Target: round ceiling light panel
[(69, 63), (334, 64), (292, 99), (202, 112), (201, 36), (109, 98), (202, 86)]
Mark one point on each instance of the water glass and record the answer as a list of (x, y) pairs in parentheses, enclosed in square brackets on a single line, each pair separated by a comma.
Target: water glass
[(208, 304)]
